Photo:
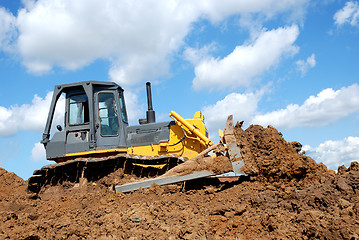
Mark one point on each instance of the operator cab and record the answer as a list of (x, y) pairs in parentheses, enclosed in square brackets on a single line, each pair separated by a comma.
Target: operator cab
[(95, 118)]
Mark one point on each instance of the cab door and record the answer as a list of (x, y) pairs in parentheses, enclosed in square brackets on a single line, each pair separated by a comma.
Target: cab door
[(107, 121), (77, 127)]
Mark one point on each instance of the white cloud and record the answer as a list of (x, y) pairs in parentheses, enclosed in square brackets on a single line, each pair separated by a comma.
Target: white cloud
[(38, 152), (348, 14), (247, 62), (195, 56), (304, 66), (134, 109), (29, 4), (335, 153), (242, 106), (5, 115), (29, 116), (136, 37), (327, 107), (7, 29)]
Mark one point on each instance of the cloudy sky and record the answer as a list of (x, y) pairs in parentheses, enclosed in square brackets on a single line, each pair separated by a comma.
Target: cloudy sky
[(293, 64)]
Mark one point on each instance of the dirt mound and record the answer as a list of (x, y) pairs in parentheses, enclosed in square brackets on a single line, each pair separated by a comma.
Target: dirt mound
[(270, 158), (287, 196), (10, 183), (323, 209)]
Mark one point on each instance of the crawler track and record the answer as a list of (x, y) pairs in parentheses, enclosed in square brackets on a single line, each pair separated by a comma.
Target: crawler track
[(94, 169)]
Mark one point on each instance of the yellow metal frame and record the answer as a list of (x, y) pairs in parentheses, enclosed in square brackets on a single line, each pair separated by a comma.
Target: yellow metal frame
[(190, 127), (93, 152)]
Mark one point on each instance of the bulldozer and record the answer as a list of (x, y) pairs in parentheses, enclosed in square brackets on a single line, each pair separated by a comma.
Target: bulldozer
[(97, 139)]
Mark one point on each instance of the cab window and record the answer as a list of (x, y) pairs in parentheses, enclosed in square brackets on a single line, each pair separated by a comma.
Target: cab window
[(123, 108), (107, 114), (78, 109)]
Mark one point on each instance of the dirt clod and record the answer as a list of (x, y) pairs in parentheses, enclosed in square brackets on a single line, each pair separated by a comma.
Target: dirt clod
[(286, 196)]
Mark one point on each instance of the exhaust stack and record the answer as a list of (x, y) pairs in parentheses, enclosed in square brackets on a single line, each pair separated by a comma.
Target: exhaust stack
[(150, 114)]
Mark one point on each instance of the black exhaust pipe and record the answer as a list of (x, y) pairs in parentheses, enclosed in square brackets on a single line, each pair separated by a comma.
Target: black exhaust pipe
[(150, 114)]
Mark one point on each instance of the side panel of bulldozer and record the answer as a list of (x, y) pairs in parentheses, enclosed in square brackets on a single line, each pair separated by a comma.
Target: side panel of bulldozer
[(155, 139), (148, 134), (174, 142)]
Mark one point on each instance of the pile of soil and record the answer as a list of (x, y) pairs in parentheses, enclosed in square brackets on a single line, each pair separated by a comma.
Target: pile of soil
[(285, 196), (269, 158)]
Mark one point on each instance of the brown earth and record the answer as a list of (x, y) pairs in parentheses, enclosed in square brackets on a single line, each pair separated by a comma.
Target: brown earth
[(217, 165), (286, 196)]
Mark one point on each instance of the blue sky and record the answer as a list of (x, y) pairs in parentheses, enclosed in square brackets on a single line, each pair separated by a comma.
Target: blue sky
[(290, 64)]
